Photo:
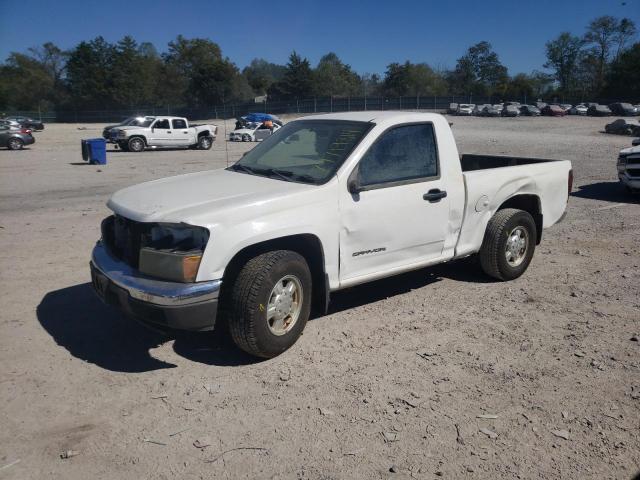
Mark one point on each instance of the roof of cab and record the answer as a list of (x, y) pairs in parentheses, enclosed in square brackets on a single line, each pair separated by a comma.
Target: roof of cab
[(376, 116)]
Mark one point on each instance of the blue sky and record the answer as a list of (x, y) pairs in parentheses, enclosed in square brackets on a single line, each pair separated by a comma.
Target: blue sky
[(367, 35)]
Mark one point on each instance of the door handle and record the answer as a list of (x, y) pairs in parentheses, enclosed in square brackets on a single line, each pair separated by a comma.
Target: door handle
[(434, 195), (169, 133)]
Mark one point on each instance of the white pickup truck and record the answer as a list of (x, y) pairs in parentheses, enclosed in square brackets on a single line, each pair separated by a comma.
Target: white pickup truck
[(167, 132), (629, 168), (327, 202)]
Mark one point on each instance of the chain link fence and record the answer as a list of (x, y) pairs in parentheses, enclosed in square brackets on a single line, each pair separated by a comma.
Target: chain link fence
[(303, 106)]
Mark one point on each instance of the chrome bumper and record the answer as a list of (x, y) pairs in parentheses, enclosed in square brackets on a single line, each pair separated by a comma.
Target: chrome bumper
[(149, 290)]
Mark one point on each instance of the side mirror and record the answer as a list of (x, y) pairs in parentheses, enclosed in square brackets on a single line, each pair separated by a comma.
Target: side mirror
[(354, 186)]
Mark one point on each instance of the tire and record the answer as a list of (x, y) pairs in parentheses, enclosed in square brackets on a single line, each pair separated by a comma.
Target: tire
[(254, 295), (15, 144), (508, 244), (205, 142), (246, 138), (123, 146), (136, 144)]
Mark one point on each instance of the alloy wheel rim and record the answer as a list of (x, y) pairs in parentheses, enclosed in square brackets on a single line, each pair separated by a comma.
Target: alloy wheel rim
[(284, 305), (516, 247)]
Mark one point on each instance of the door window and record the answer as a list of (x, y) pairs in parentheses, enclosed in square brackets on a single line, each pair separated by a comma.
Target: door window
[(162, 124), (403, 154), (179, 123)]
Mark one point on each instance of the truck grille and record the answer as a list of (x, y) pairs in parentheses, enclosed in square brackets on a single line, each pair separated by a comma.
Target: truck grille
[(124, 238)]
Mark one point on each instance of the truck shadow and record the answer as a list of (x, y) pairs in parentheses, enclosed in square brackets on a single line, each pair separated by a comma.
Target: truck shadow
[(606, 191), (465, 270), (99, 334)]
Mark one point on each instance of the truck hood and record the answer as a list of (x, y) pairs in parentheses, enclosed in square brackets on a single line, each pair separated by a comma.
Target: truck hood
[(199, 198)]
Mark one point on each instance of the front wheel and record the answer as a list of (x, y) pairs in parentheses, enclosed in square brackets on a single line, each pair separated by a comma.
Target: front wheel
[(205, 142), (508, 244), (246, 138), (270, 302), (136, 144)]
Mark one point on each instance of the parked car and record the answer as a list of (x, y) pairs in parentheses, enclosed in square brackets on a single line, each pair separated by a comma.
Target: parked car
[(540, 105), (510, 111), (553, 111), (11, 123), (477, 110), (492, 111), (635, 142), (15, 138), (629, 168), (598, 111), (580, 109), (253, 132), (529, 110), (315, 209), (566, 107), (453, 108), (622, 127), (515, 104), (164, 132), (135, 121), (27, 122), (624, 109), (465, 109)]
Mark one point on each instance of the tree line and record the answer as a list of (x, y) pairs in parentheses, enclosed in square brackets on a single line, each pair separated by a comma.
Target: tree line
[(98, 75)]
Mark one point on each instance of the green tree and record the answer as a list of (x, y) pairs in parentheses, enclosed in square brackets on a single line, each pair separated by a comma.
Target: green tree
[(606, 38), (207, 77), (412, 79), (297, 81), (623, 80), (479, 71), (89, 74), (25, 83), (262, 74), (332, 77), (563, 55)]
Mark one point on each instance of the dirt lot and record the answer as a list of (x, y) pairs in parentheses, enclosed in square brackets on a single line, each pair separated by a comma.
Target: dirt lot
[(390, 384)]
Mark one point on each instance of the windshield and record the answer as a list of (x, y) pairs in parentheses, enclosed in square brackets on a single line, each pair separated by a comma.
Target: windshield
[(308, 151)]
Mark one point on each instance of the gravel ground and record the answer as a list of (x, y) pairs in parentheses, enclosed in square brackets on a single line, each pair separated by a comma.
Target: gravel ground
[(436, 373)]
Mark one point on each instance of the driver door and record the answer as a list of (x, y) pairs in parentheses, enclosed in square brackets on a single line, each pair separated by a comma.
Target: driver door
[(399, 215), (161, 134)]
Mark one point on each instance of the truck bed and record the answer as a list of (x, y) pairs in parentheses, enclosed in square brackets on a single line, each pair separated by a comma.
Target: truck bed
[(489, 180), (471, 162)]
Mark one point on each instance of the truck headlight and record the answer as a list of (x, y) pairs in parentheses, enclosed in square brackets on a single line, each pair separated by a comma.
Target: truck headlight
[(170, 265), (173, 252)]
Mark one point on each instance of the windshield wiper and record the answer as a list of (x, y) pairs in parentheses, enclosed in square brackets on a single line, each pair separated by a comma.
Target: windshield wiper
[(286, 175), (289, 175), (237, 166)]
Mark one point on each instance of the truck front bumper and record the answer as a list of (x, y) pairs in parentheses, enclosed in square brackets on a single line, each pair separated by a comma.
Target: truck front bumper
[(633, 183), (161, 304)]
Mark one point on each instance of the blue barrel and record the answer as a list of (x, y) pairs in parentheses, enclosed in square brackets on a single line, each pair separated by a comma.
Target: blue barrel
[(84, 146), (97, 151)]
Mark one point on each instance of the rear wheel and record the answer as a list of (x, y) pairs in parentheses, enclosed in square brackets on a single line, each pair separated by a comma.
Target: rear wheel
[(269, 303), (136, 144), (508, 244), (15, 144), (205, 142)]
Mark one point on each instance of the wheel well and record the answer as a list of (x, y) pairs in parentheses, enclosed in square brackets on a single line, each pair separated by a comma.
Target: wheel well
[(204, 133), (528, 203), (137, 136), (307, 245)]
